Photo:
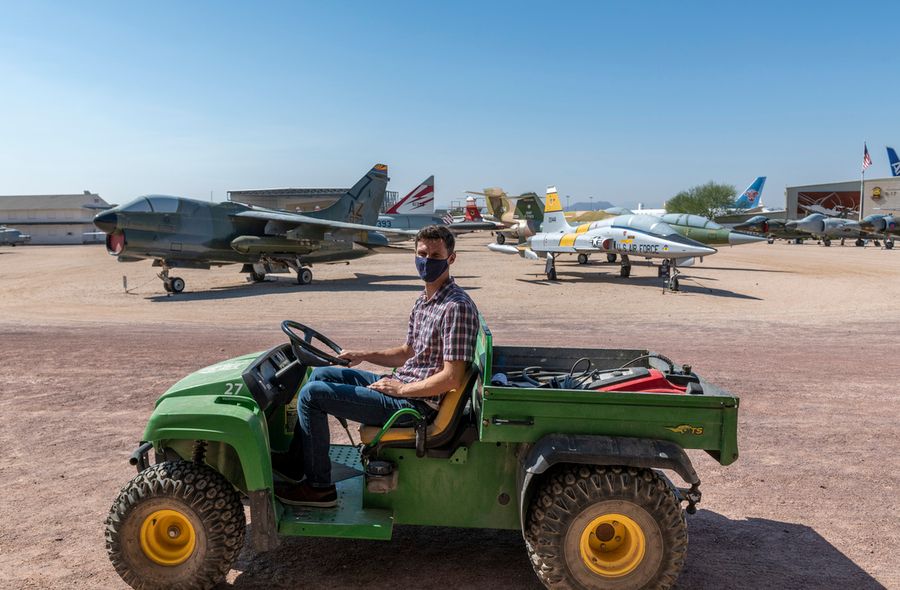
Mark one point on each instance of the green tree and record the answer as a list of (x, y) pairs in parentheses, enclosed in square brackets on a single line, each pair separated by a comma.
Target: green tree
[(708, 200)]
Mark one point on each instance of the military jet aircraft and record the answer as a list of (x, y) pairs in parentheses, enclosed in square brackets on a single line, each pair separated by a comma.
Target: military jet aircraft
[(185, 233), (772, 229), (520, 221), (826, 228), (12, 237), (416, 210), (626, 235), (882, 225)]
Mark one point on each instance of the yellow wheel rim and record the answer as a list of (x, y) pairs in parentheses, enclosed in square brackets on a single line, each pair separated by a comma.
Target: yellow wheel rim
[(612, 545), (167, 537)]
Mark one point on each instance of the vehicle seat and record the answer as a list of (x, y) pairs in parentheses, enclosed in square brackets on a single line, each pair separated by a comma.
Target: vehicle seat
[(441, 428)]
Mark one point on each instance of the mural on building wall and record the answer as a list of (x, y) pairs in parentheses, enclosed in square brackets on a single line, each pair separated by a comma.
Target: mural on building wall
[(831, 203)]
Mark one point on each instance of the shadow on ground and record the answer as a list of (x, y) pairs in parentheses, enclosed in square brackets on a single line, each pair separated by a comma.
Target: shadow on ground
[(689, 284), (723, 553), (362, 282)]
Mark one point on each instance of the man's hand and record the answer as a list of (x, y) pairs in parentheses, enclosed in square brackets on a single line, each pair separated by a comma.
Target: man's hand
[(354, 356), (388, 386)]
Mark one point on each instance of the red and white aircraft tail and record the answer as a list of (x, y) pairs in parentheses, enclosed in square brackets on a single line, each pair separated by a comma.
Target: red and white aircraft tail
[(419, 201)]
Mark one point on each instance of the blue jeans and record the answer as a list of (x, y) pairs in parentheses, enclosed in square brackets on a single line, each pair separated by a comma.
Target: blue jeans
[(343, 393)]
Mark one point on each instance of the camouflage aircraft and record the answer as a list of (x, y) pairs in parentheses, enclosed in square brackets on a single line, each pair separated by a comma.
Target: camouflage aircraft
[(416, 210), (12, 237), (520, 221), (626, 235), (185, 233)]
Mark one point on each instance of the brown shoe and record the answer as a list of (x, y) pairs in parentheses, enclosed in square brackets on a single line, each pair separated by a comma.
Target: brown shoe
[(303, 494)]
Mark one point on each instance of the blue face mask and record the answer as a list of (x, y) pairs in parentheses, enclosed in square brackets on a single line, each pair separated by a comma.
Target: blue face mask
[(431, 268)]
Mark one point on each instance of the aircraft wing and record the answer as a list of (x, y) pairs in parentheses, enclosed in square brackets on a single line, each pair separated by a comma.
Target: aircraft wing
[(297, 219)]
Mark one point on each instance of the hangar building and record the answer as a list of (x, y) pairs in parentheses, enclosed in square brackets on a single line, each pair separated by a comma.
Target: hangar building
[(54, 219), (298, 199), (880, 195)]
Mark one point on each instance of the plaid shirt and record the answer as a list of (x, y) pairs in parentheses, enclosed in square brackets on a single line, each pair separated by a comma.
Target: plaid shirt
[(442, 328)]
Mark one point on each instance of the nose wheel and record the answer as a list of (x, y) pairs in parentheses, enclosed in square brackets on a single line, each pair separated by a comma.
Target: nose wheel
[(625, 269), (171, 284), (550, 268), (304, 276), (668, 272)]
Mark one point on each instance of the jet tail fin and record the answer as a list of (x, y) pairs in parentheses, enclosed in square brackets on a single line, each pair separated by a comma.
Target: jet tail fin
[(361, 203), (895, 162), (419, 201), (554, 220), (750, 198)]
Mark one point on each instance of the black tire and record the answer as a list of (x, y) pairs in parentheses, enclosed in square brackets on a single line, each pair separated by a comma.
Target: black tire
[(859, 243), (257, 277), (201, 498), (582, 258), (551, 274), (570, 501), (625, 271), (889, 244), (304, 276), (826, 242), (177, 284), (501, 239), (611, 257), (770, 240), (673, 284)]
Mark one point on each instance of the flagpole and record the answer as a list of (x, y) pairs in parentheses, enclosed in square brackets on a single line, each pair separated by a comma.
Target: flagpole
[(862, 182)]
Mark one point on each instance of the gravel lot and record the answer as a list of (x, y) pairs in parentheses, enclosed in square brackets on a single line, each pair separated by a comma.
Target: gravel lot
[(803, 334)]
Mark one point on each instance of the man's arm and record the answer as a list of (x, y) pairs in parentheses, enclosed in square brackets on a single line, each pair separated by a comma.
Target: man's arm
[(391, 357), (451, 376)]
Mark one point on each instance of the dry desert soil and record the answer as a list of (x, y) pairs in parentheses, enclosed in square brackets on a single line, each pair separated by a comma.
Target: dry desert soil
[(805, 335)]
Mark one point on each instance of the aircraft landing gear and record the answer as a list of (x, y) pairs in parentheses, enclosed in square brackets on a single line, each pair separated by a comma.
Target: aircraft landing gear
[(668, 271), (501, 239), (304, 275), (860, 242), (550, 268), (826, 242), (257, 277), (625, 270), (770, 239), (889, 244), (171, 284), (611, 257), (582, 258)]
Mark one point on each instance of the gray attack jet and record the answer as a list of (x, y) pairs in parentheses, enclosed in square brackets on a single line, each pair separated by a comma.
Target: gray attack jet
[(884, 226), (185, 233), (12, 237), (826, 228)]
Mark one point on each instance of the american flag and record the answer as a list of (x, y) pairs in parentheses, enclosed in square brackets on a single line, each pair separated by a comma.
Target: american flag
[(867, 161)]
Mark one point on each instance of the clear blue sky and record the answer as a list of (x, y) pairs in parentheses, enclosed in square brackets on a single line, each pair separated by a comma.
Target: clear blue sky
[(624, 102)]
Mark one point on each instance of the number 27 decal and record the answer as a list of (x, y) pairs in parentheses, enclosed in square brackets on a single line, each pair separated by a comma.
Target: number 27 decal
[(233, 388)]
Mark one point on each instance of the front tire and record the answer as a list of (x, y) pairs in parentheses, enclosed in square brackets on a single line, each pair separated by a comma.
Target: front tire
[(175, 525), (177, 284), (606, 527), (501, 239), (304, 276)]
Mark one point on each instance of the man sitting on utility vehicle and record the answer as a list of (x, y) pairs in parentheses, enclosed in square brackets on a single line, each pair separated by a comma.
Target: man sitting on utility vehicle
[(440, 344)]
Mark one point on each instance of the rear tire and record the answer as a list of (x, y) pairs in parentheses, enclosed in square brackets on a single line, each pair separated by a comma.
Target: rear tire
[(175, 525), (304, 276), (177, 284), (501, 239), (257, 277), (606, 527), (582, 258), (611, 258)]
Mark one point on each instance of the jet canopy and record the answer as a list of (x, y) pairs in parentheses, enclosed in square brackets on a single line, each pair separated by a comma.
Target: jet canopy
[(688, 220)]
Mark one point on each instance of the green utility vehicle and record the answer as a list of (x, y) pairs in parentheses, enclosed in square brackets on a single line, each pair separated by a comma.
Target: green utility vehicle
[(570, 446)]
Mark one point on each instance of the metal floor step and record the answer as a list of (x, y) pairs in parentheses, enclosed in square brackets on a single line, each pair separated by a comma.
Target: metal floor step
[(346, 520)]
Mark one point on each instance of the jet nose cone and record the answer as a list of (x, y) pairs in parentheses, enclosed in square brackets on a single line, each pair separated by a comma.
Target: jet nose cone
[(738, 238), (107, 221)]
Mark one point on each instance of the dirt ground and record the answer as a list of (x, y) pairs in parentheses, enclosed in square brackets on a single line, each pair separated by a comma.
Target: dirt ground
[(803, 334)]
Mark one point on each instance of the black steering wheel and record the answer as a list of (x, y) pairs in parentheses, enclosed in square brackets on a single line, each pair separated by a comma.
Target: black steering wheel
[(305, 351)]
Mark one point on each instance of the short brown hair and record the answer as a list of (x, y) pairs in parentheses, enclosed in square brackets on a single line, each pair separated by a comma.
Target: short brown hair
[(437, 232)]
